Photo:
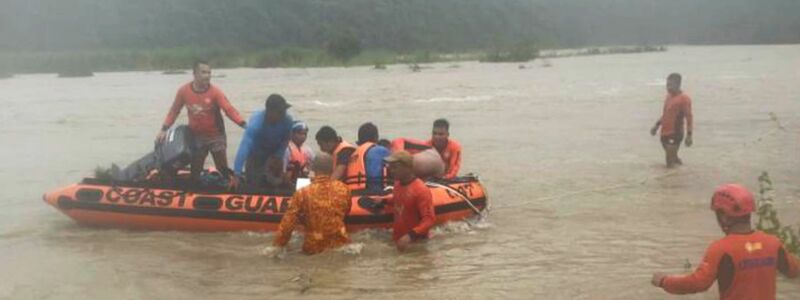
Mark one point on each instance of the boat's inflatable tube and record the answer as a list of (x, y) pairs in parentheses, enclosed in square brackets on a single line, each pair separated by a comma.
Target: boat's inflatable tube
[(139, 206)]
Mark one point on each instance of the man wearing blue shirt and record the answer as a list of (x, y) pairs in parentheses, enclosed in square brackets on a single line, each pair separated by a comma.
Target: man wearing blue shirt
[(264, 143), (373, 156)]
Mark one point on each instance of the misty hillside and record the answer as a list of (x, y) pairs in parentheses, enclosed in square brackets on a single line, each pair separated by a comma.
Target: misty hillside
[(400, 25)]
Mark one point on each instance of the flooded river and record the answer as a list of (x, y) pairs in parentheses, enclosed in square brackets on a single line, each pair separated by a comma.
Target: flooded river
[(582, 205)]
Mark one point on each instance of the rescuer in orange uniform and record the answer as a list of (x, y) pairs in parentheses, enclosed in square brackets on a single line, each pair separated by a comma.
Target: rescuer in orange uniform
[(744, 263)]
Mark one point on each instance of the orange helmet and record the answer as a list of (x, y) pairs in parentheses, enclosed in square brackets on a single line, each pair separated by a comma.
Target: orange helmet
[(733, 200)]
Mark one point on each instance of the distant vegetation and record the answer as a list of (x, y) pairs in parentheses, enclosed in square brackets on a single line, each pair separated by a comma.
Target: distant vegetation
[(602, 51), (521, 52), (174, 61), (99, 35), (344, 47)]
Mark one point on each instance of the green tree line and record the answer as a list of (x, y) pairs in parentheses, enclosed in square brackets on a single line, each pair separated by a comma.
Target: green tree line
[(41, 35), (400, 25)]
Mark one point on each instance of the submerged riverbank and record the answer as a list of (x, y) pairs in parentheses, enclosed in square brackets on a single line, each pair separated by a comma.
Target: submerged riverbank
[(85, 63)]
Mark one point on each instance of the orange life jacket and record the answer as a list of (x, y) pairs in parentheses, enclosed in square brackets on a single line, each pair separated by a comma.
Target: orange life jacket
[(342, 145), (298, 162), (356, 176)]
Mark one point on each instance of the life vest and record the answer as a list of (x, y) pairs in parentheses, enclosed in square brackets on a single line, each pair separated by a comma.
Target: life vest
[(298, 162), (342, 145), (356, 176)]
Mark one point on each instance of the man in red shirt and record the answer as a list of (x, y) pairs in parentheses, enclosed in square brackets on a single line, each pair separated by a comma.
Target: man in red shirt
[(203, 102), (412, 202), (448, 149), (677, 107), (744, 263)]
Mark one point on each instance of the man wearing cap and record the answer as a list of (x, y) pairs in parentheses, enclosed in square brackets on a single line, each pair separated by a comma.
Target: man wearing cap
[(298, 156), (203, 102), (412, 201), (744, 263), (264, 143)]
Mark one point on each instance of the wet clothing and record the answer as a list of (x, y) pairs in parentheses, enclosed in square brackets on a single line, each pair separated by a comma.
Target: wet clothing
[(744, 266), (676, 109), (451, 155), (321, 208), (672, 140), (216, 143), (413, 210), (203, 110), (262, 140)]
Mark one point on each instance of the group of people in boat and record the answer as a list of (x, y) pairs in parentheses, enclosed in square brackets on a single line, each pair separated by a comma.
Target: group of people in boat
[(273, 153), (273, 150)]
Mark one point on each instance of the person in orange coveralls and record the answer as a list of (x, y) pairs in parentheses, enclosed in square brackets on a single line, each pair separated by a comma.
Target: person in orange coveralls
[(677, 108), (744, 263), (321, 207), (412, 202)]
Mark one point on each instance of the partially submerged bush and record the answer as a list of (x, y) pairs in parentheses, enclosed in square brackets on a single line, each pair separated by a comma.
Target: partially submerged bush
[(768, 221)]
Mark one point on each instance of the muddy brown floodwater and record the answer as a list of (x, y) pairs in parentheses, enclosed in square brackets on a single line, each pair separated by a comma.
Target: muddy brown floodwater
[(583, 207)]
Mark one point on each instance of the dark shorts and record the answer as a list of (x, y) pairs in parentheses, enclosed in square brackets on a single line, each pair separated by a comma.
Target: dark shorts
[(672, 140), (210, 143)]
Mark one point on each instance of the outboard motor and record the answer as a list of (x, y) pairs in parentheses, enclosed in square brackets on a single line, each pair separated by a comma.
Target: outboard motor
[(176, 150), (169, 157)]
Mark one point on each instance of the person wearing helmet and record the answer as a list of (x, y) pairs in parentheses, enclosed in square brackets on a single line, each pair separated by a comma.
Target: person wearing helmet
[(744, 263)]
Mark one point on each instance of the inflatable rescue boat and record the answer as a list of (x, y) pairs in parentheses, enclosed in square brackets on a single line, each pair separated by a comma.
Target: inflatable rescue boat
[(135, 197), (163, 207)]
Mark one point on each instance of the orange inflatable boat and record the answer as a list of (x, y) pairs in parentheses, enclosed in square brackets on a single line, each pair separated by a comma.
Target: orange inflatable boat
[(152, 206)]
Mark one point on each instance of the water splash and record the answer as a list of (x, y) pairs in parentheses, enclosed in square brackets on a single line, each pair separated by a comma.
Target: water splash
[(273, 252), (351, 249)]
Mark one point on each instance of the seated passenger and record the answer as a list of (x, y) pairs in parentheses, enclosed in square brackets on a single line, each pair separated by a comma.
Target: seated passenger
[(367, 170), (299, 156), (342, 152), (449, 149)]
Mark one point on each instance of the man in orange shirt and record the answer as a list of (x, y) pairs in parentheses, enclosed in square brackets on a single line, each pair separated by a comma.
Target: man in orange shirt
[(677, 107), (412, 201), (744, 263), (321, 207), (448, 149), (203, 102)]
